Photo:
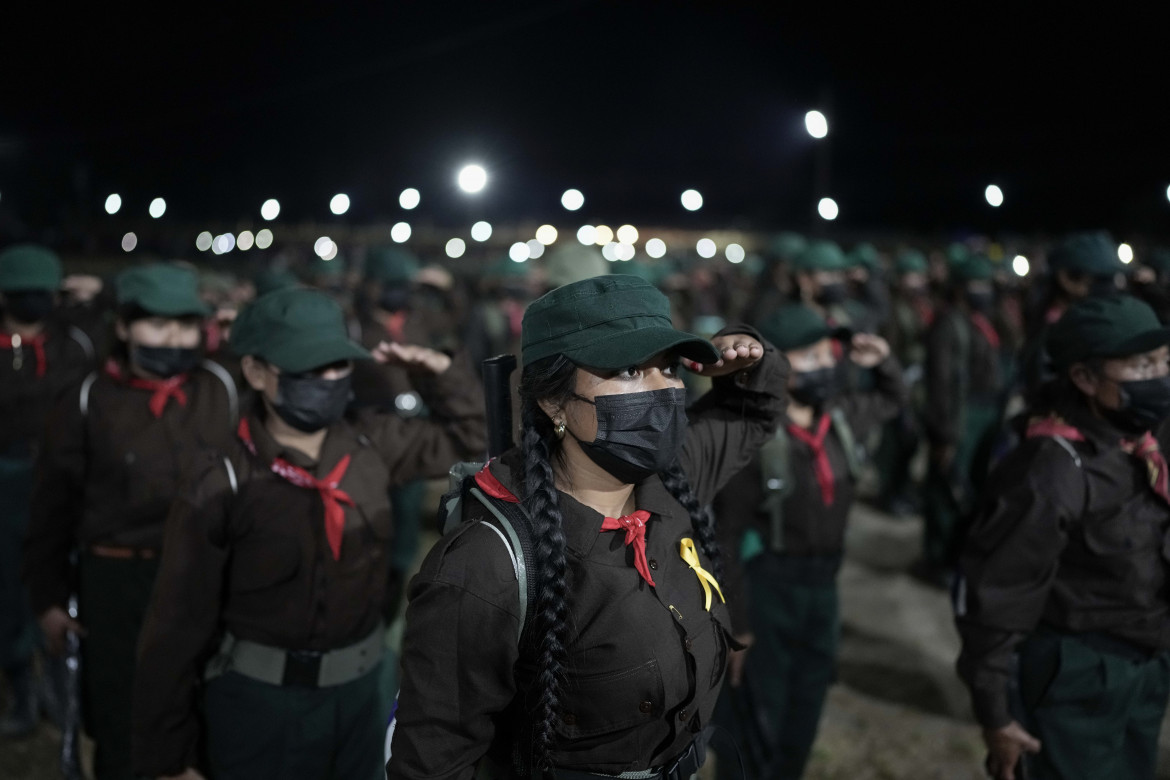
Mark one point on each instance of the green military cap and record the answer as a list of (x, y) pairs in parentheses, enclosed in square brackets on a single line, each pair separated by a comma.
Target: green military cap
[(391, 264), (911, 261), (821, 256), (161, 289), (29, 267), (975, 268), (794, 326), (789, 245), (1108, 327), (1094, 254), (607, 322), (295, 329), (864, 255), (273, 279), (957, 254)]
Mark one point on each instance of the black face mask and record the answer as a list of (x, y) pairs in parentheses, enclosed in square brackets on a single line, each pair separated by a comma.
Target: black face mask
[(309, 402), (164, 361), (1144, 404), (982, 302), (28, 306), (814, 388), (638, 434), (834, 292), (394, 298)]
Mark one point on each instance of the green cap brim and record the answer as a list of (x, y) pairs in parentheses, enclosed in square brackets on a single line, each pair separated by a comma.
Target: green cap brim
[(1143, 342), (302, 354), (622, 350)]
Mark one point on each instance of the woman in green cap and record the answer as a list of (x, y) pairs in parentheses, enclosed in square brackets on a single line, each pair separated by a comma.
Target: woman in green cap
[(276, 552), (615, 667), (116, 448)]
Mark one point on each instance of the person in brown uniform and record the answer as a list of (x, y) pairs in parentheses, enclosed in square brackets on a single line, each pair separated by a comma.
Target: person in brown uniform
[(620, 665), (39, 357), (785, 517), (1065, 571), (116, 447), (277, 550)]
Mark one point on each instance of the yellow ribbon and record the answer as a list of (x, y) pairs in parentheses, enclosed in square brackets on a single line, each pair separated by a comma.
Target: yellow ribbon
[(691, 557)]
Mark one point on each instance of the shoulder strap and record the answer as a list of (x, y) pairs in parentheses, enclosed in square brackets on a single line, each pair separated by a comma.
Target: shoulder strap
[(776, 478), (231, 475), (229, 385), (83, 397), (518, 551), (83, 340), (844, 433)]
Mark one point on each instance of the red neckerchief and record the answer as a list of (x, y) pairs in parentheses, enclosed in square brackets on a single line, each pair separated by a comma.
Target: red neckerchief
[(633, 524), (1054, 313), (37, 342), (821, 465), (984, 326), (924, 310), (635, 527), (331, 495), (514, 310), (395, 325), (1148, 450), (163, 389)]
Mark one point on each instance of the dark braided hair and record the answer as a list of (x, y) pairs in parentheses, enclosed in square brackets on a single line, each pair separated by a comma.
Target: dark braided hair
[(553, 379), (675, 481)]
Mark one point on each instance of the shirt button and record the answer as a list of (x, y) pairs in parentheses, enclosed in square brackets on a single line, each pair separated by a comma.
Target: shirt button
[(683, 716), (654, 564), (570, 719), (646, 707)]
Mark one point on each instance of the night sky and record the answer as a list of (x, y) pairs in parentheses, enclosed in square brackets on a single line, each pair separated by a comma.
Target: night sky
[(219, 109)]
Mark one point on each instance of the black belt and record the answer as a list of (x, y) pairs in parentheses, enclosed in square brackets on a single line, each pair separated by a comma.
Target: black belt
[(685, 765)]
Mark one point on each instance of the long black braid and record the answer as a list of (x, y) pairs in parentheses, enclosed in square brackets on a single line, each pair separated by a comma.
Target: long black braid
[(702, 522), (554, 380)]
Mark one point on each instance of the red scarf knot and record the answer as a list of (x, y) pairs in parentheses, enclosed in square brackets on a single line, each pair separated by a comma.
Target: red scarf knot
[(1148, 450), (37, 342), (984, 326), (395, 325), (822, 468), (635, 527), (163, 389), (332, 496), (1052, 426)]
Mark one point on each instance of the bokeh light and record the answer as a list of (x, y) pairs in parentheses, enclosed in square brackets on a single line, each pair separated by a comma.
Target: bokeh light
[(518, 252), (245, 241), (158, 207), (572, 200), (656, 248), (322, 246), (705, 248), (481, 231), (609, 252), (456, 247), (587, 235), (409, 198), (203, 241), (827, 208), (1020, 265), (692, 200), (400, 233), (994, 195), (226, 242), (113, 203), (546, 234), (535, 248), (472, 179), (263, 238), (270, 209), (603, 236), (129, 241), (339, 203), (627, 234), (735, 253), (816, 124), (1125, 253), (624, 251)]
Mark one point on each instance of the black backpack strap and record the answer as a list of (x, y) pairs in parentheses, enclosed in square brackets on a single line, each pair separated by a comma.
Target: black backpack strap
[(515, 530)]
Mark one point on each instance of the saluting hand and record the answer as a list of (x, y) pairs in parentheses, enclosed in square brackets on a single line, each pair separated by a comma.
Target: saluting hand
[(738, 350), (868, 350), (412, 358), (1005, 746)]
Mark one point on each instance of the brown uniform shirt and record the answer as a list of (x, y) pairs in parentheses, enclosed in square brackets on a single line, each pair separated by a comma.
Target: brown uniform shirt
[(1073, 548), (27, 396), (255, 561), (962, 367), (110, 469), (645, 664)]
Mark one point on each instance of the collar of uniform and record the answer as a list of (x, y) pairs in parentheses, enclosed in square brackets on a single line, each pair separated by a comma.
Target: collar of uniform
[(582, 524), (1099, 431), (339, 441)]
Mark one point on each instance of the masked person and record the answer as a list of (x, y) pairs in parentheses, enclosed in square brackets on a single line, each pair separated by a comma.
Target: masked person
[(785, 516), (1083, 265), (276, 550), (774, 283), (39, 357), (964, 395), (912, 312), (1065, 572), (623, 655), (116, 448)]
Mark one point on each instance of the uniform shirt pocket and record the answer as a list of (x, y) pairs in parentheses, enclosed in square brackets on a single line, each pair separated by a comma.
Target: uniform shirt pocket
[(598, 704)]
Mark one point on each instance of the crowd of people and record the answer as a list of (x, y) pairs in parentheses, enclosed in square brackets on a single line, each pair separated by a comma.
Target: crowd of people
[(215, 487)]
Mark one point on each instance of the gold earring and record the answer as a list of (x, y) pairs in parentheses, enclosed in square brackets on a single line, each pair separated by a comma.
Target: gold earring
[(559, 430)]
